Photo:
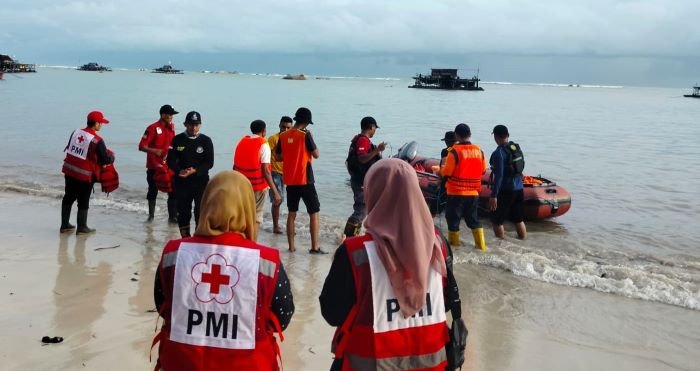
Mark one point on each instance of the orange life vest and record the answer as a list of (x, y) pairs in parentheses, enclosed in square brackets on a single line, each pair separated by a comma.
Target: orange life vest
[(375, 335), (246, 160), (470, 164), (295, 156), (81, 159), (212, 321)]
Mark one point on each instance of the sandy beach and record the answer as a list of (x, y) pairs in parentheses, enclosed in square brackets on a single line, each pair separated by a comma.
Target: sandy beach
[(95, 291)]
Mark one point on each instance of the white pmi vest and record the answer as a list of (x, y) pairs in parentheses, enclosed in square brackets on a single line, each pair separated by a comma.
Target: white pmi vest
[(215, 296), (387, 315), (79, 144)]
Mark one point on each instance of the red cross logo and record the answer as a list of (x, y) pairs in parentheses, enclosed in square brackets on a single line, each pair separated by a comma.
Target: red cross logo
[(214, 279), (81, 139)]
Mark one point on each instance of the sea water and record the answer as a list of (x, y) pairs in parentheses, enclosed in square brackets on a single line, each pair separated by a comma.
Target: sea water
[(628, 156)]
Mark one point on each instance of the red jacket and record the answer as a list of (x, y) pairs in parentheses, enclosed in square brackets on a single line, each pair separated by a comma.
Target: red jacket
[(375, 335), (216, 309), (157, 135)]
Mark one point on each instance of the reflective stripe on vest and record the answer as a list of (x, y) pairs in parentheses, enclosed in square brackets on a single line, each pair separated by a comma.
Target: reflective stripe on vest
[(423, 361), (295, 156), (82, 169), (246, 160), (267, 267), (469, 166)]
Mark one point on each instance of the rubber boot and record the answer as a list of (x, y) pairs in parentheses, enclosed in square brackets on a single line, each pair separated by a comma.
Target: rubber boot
[(479, 240), (453, 238), (185, 231), (65, 219), (351, 229), (172, 210), (82, 223), (151, 210)]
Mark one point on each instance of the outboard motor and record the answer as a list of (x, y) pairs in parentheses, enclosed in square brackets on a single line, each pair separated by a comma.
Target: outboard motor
[(408, 151)]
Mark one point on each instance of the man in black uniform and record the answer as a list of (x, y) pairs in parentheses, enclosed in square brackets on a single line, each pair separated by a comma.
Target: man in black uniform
[(191, 156)]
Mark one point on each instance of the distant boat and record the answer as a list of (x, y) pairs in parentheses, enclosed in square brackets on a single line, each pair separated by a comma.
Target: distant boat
[(167, 69), (445, 79), (695, 94), (9, 65), (295, 77), (92, 66)]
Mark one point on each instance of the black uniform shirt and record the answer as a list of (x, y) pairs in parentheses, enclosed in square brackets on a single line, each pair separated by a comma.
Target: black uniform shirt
[(197, 152)]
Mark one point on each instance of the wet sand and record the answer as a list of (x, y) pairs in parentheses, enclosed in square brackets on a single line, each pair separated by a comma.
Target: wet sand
[(99, 299)]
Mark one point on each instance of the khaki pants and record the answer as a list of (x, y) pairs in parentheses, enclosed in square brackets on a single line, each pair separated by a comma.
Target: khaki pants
[(260, 197)]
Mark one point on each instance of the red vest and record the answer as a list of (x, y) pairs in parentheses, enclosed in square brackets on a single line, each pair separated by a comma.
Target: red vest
[(210, 278), (109, 178), (246, 160), (295, 156), (380, 338), (163, 177), (84, 170), (470, 165)]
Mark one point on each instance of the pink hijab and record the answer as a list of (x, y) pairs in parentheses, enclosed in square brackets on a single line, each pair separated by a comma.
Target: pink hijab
[(400, 224)]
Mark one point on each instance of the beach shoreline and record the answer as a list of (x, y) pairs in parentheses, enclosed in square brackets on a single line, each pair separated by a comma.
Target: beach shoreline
[(95, 291)]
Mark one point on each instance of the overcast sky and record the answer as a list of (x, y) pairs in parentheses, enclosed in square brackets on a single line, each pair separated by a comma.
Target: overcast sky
[(662, 32)]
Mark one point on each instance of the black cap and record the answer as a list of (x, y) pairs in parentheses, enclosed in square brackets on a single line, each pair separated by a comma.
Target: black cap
[(500, 130), (367, 123), (168, 110), (303, 115), (463, 130), (449, 137), (193, 117)]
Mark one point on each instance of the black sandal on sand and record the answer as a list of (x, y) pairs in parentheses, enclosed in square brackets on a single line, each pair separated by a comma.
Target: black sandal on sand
[(319, 251), (51, 340)]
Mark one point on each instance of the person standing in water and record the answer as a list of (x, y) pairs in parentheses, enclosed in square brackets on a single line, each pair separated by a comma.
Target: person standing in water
[(277, 171), (156, 143), (252, 158), (191, 157), (86, 152), (297, 149), (463, 168), (361, 156)]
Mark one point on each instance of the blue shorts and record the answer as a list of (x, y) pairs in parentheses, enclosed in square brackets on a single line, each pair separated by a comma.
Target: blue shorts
[(277, 179)]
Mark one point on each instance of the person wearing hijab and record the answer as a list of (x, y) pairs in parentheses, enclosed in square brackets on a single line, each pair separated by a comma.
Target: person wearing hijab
[(222, 295), (385, 290)]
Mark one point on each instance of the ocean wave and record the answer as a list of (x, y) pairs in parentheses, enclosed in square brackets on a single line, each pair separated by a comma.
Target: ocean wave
[(671, 280), (668, 280)]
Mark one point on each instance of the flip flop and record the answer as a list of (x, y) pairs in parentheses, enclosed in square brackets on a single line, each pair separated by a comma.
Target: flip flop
[(319, 251), (51, 340)]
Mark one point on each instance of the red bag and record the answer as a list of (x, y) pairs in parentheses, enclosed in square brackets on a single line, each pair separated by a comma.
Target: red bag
[(163, 177)]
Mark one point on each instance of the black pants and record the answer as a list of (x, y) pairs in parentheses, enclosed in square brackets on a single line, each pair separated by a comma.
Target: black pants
[(462, 207), (186, 192), (77, 190), (152, 189)]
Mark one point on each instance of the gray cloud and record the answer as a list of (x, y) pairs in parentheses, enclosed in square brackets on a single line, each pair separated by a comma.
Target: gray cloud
[(557, 27)]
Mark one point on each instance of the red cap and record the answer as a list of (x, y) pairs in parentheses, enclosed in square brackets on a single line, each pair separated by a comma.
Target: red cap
[(97, 116)]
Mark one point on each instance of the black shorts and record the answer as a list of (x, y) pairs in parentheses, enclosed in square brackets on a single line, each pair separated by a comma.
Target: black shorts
[(305, 192), (510, 206)]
